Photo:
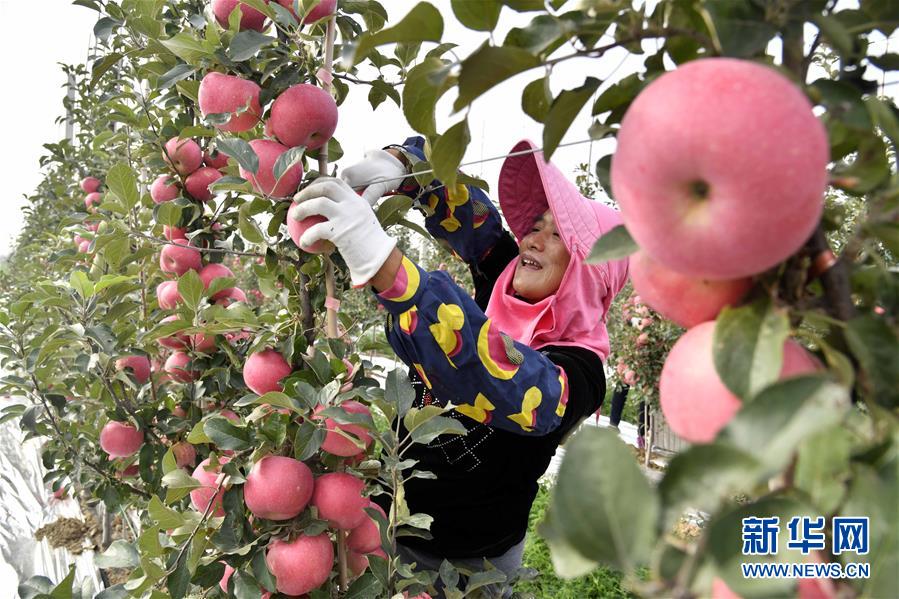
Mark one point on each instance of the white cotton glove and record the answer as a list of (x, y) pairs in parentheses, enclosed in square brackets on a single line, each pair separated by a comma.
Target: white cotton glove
[(351, 226), (377, 174)]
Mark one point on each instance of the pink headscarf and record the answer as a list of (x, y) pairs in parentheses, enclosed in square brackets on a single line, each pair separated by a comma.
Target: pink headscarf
[(576, 314)]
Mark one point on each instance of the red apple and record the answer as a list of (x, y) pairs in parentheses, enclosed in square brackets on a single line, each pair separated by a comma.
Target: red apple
[(264, 180), (337, 444), (338, 497), (264, 370), (229, 296), (167, 295), (92, 199), (250, 17), (278, 488), (203, 343), (184, 155), (214, 271), (198, 182), (177, 367), (215, 159), (301, 565), (201, 496), (120, 439), (164, 189), (220, 93), (178, 259), (177, 341), (84, 247), (695, 402), (90, 184), (683, 300), (296, 228), (324, 8), (366, 537), (185, 454), (358, 562), (720, 168), (173, 233), (304, 115), (139, 365)]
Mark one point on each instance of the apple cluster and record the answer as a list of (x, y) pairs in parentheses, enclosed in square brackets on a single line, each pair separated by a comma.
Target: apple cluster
[(720, 173), (90, 186)]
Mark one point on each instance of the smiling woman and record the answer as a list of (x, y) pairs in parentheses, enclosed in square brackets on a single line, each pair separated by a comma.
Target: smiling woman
[(520, 363)]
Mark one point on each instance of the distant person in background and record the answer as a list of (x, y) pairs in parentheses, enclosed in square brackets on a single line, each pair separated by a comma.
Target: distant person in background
[(619, 397)]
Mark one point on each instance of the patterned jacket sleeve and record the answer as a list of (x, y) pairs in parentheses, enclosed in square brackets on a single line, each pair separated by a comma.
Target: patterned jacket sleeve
[(462, 217), (436, 328)]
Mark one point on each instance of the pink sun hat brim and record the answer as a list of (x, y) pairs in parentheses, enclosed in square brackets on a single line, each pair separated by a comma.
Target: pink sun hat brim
[(528, 185)]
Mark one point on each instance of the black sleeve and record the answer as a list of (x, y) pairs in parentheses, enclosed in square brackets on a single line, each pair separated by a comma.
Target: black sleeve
[(586, 383), (485, 272)]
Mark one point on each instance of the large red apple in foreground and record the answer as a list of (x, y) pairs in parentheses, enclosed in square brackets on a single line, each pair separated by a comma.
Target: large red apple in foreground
[(167, 295), (250, 17), (301, 565), (366, 537), (198, 182), (304, 115), (264, 180), (139, 366), (720, 168), (337, 444), (214, 271), (296, 228), (683, 300), (120, 439), (220, 93), (201, 496), (178, 259), (184, 155), (264, 370), (695, 402), (278, 488), (338, 497), (164, 189)]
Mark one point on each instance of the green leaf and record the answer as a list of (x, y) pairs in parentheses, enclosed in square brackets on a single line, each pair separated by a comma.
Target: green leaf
[(823, 462), (876, 346), (285, 161), (399, 392), (178, 581), (240, 151), (164, 517), (420, 96), (536, 98), (308, 440), (725, 545), (167, 213), (704, 475), (739, 27), (448, 152), (606, 514), (562, 113), (618, 95), (422, 24), (246, 44), (225, 435), (122, 182), (64, 589), (120, 554), (197, 435), (542, 36), (366, 586), (748, 346), (434, 427), (772, 426), (187, 48), (480, 16), (835, 32), (190, 286), (614, 245), (177, 73), (249, 228), (82, 285), (884, 114), (489, 66)]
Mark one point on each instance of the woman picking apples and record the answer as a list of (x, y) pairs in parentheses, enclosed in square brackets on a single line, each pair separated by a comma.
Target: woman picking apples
[(521, 362)]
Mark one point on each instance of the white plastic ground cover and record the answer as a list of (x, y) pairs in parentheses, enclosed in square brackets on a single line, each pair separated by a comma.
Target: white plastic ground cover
[(26, 504)]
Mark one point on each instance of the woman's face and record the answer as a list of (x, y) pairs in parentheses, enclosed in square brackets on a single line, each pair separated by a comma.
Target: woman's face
[(542, 260)]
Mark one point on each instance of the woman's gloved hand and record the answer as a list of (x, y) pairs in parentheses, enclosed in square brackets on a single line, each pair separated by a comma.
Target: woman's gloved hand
[(351, 226), (377, 174)]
